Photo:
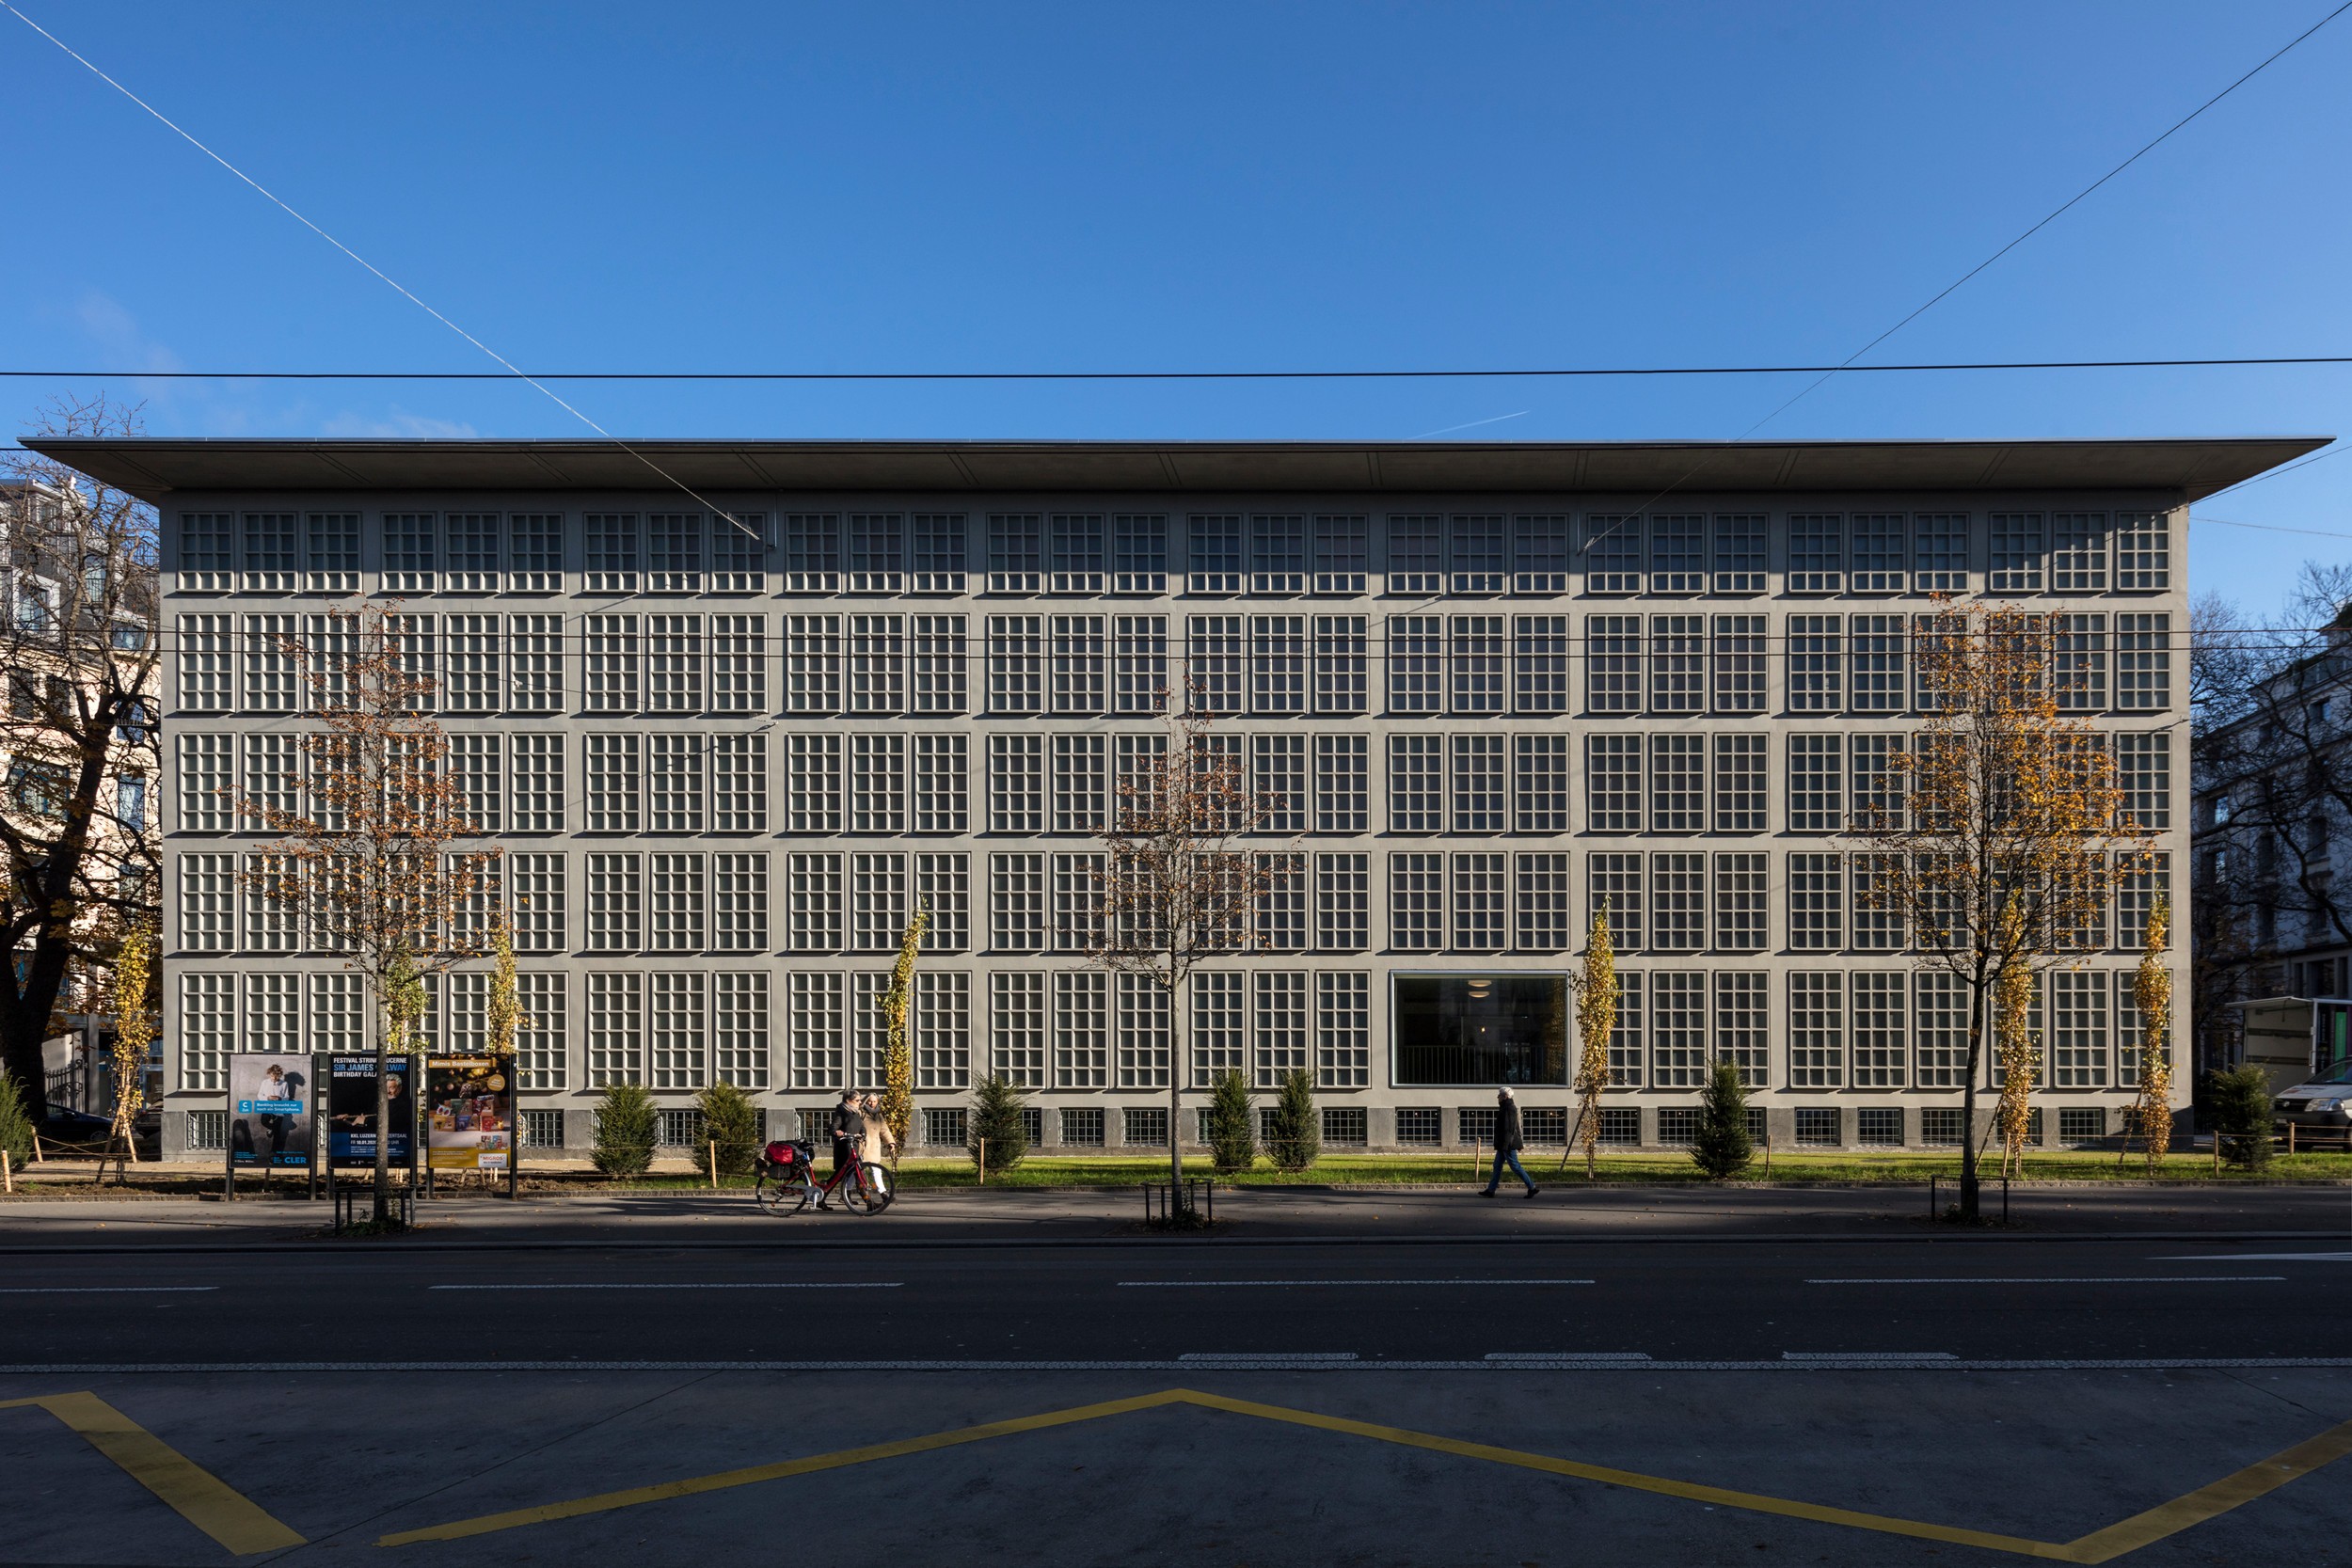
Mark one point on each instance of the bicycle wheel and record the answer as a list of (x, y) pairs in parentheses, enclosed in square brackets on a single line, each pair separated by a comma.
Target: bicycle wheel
[(789, 1195), (854, 1194), (879, 1192)]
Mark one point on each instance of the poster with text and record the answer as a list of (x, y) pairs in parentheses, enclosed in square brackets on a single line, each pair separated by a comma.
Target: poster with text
[(469, 1118), (269, 1110), (351, 1111)]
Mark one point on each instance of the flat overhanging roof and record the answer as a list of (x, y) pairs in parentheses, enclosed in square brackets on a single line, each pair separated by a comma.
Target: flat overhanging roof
[(154, 468)]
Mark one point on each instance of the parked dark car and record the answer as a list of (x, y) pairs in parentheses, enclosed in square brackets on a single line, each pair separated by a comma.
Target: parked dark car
[(75, 1130)]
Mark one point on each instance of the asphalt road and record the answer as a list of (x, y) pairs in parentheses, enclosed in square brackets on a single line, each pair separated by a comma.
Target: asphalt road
[(1970, 1300), (1929, 1400)]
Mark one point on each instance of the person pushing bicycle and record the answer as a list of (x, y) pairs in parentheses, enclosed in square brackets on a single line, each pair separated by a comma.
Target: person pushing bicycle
[(848, 1134)]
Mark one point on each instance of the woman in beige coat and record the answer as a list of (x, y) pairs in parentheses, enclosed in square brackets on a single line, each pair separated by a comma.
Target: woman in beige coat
[(877, 1138)]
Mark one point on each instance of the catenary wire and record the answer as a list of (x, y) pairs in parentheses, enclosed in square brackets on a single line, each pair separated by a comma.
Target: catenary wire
[(386, 278), (1500, 372)]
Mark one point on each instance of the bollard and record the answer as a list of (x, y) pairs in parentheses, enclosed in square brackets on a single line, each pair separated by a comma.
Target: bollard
[(983, 1161), (7, 1175), (714, 1165)]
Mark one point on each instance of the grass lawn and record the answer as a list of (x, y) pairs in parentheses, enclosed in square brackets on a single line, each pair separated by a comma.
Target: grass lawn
[(1376, 1170)]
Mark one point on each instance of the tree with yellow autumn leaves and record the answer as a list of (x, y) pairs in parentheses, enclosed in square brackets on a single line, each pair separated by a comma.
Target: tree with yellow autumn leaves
[(1999, 841), (365, 857)]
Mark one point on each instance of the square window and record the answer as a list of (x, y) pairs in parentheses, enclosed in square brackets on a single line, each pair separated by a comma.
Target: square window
[(1420, 1126), (944, 1127), (1677, 1126), (2082, 1124), (1879, 1126), (1621, 1126), (542, 1128), (1345, 1126), (1477, 1125), (1082, 1128), (1544, 1126), (1816, 1127), (1144, 1127), (1940, 1127)]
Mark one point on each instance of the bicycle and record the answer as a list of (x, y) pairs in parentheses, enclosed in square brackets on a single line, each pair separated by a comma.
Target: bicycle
[(787, 1181)]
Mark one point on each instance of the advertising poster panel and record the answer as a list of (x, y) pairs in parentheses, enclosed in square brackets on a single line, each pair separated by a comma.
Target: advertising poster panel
[(469, 1115), (351, 1111), (269, 1110)]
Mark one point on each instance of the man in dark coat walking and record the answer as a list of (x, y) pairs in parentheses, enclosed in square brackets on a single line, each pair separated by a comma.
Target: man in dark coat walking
[(1509, 1140)]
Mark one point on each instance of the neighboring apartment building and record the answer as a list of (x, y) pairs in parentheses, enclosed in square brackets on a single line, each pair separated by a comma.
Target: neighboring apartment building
[(1491, 687), (2273, 808), (50, 584)]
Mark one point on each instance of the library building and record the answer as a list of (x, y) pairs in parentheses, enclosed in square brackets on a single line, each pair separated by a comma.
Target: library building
[(732, 711)]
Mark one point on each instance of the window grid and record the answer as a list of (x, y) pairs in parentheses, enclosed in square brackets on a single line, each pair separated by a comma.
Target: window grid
[(1542, 910), (1343, 903)]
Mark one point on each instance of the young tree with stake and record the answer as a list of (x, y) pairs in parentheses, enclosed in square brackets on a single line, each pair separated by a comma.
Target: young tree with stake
[(1177, 887), (1595, 1020), (369, 859), (1996, 839), (897, 1101), (2151, 998)]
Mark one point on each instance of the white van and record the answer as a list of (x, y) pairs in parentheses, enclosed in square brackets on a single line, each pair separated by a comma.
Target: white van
[(2322, 1104)]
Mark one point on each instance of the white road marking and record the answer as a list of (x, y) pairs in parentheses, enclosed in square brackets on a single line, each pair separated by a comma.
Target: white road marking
[(1901, 1364), (1222, 1284), (688, 1285), (2073, 1279), (102, 1290), (1867, 1355), (2259, 1258), (1542, 1356), (1267, 1358)]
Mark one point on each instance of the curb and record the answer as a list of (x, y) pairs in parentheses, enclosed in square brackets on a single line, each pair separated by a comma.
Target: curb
[(361, 1248)]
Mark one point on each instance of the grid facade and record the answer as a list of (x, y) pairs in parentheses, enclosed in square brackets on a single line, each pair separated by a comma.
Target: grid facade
[(726, 755)]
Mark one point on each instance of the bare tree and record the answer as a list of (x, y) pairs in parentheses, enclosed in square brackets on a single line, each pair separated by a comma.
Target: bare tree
[(368, 861), (1178, 887), (2003, 833), (77, 826), (2274, 760)]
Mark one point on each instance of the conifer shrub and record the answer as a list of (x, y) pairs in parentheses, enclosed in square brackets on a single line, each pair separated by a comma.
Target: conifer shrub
[(731, 1122), (627, 1124), (1720, 1146), (1231, 1119), (2242, 1115), (1294, 1139), (997, 1125)]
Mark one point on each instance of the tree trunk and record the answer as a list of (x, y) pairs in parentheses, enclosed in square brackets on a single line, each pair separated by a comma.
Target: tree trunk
[(1175, 1096), (383, 1114), (1968, 1200), (20, 1055), (26, 1025)]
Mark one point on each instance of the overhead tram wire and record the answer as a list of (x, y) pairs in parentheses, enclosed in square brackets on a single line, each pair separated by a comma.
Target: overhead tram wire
[(1494, 373), (505, 364)]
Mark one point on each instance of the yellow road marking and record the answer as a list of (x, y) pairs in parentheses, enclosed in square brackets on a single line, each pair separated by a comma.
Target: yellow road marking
[(2214, 1498), (1693, 1491), (605, 1502), (2103, 1546), (198, 1495)]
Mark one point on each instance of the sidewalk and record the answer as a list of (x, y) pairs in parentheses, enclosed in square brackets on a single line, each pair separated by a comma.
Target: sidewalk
[(1566, 1212)]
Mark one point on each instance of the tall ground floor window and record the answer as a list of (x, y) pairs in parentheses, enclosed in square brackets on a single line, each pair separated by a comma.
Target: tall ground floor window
[(1477, 1029)]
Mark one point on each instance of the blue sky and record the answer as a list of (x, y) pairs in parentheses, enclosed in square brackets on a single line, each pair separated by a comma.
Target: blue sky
[(709, 186)]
